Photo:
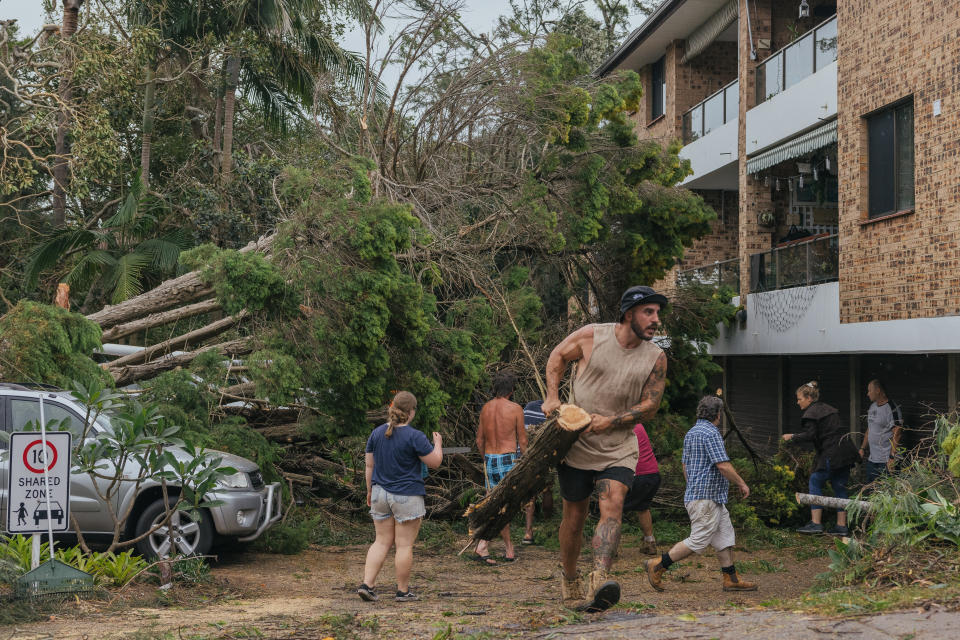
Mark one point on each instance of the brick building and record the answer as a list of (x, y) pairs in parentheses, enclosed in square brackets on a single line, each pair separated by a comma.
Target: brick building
[(825, 136)]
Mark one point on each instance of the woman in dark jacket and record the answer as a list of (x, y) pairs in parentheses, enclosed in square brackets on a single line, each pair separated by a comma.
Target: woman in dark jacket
[(835, 454)]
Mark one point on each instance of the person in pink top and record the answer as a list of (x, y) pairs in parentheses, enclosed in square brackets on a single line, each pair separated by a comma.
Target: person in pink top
[(646, 482)]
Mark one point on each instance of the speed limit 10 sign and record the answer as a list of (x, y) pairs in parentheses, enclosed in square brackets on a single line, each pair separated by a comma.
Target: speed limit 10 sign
[(38, 495)]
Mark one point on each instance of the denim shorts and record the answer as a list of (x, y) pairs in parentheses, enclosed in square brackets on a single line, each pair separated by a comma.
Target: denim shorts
[(384, 504)]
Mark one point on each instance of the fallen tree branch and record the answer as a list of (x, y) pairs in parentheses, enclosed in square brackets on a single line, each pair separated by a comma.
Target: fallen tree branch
[(529, 476), (833, 503), (160, 319), (171, 293), (196, 336), (134, 373)]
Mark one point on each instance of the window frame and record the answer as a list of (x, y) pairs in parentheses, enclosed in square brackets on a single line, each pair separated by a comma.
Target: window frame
[(891, 108), (662, 65), (8, 412)]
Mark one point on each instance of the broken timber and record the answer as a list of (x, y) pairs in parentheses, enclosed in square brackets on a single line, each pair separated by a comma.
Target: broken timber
[(530, 474), (833, 503)]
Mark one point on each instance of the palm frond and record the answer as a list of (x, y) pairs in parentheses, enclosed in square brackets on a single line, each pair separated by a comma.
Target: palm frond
[(164, 252), (128, 211), (126, 277), (48, 253), (87, 268)]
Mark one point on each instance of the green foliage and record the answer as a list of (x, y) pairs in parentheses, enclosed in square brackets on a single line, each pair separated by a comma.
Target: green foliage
[(250, 281), (46, 344), (286, 538), (276, 374), (116, 569), (692, 320), (772, 490)]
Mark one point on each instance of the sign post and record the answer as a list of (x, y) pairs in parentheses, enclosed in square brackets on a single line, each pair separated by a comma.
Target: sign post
[(38, 495)]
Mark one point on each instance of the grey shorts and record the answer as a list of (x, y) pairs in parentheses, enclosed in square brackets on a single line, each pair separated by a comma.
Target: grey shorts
[(384, 504), (710, 526)]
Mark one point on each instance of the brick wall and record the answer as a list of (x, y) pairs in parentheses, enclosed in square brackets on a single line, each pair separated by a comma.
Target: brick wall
[(686, 86), (907, 266), (720, 244)]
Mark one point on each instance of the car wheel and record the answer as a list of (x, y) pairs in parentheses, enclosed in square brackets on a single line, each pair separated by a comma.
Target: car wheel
[(192, 535)]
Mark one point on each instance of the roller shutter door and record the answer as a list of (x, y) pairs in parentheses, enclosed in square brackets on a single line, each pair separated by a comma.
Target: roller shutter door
[(833, 375), (918, 383), (752, 395)]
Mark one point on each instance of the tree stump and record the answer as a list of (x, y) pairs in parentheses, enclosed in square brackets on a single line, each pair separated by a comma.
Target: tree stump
[(529, 476)]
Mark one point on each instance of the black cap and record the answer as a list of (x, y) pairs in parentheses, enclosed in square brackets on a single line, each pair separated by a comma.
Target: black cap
[(640, 295)]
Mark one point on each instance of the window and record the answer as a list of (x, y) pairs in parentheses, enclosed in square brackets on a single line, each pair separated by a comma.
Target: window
[(658, 93), (24, 412), (890, 140)]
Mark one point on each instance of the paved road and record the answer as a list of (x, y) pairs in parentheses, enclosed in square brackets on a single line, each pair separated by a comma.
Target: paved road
[(907, 625)]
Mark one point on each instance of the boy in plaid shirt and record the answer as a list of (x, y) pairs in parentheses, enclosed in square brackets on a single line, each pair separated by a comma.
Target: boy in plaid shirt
[(707, 468)]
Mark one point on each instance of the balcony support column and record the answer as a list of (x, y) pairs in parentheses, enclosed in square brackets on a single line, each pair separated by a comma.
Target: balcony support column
[(754, 196)]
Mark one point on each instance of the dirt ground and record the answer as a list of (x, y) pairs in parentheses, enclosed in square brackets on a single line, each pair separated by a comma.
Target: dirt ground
[(312, 595)]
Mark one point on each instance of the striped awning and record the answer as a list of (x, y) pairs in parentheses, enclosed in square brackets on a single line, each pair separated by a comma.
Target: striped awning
[(810, 141), (709, 31)]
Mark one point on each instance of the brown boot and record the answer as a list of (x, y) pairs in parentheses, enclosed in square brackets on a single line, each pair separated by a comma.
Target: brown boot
[(732, 582), (602, 592), (650, 548), (571, 591), (655, 573)]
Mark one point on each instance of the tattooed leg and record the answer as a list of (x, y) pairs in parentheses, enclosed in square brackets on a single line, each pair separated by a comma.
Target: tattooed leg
[(606, 538)]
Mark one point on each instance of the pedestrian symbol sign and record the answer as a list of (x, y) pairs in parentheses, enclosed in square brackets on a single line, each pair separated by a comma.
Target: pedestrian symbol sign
[(38, 494)]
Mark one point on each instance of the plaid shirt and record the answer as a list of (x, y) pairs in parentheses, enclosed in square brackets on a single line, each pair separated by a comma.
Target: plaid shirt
[(702, 450)]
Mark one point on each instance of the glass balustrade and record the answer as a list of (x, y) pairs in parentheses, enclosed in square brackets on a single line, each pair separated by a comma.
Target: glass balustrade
[(803, 57)]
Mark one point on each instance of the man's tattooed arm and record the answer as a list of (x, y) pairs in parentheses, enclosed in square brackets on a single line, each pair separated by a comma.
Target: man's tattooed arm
[(649, 397)]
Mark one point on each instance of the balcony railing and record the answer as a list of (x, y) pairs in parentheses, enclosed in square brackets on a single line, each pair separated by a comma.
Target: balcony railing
[(804, 263), (717, 110), (719, 274), (801, 58)]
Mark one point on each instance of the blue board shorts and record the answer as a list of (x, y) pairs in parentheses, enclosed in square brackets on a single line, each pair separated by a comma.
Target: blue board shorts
[(497, 466), (384, 504)]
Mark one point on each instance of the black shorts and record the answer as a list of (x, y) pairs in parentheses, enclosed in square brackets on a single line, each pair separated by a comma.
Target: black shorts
[(642, 492), (576, 485)]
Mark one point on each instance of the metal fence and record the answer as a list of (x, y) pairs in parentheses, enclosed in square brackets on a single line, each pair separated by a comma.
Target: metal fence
[(805, 263), (718, 274)]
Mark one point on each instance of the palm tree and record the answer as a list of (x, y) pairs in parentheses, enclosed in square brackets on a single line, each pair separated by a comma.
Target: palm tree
[(115, 259), (71, 16), (283, 34)]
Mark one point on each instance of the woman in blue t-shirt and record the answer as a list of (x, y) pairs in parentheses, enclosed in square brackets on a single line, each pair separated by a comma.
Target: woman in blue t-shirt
[(395, 492)]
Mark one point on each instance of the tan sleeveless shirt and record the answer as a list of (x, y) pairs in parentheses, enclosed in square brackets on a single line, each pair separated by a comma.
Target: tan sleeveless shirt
[(610, 385)]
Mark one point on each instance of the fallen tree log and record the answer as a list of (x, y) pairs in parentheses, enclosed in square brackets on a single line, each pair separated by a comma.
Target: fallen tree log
[(833, 503), (160, 319), (283, 433), (196, 337), (171, 293), (135, 373), (529, 476)]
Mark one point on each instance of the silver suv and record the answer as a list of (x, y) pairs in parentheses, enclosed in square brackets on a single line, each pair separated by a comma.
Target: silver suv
[(247, 508)]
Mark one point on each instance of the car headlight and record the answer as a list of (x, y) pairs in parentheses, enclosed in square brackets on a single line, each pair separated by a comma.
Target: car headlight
[(238, 480)]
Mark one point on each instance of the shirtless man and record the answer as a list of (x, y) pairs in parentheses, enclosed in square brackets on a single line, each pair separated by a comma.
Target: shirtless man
[(500, 437), (620, 379)]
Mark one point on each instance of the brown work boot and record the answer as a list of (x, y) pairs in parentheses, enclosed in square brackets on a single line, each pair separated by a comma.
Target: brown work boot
[(732, 582), (602, 592), (650, 548), (655, 573), (571, 591)]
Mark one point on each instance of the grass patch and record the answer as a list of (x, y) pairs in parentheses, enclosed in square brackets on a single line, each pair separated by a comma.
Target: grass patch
[(636, 607), (759, 566), (859, 599)]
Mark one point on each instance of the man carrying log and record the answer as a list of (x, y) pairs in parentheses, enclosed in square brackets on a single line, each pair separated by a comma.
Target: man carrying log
[(619, 380), (501, 438)]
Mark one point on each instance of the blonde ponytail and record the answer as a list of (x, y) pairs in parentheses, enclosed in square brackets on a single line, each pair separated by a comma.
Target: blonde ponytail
[(810, 390), (400, 410)]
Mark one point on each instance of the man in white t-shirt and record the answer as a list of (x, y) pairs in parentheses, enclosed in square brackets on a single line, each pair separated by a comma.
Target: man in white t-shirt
[(884, 426)]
